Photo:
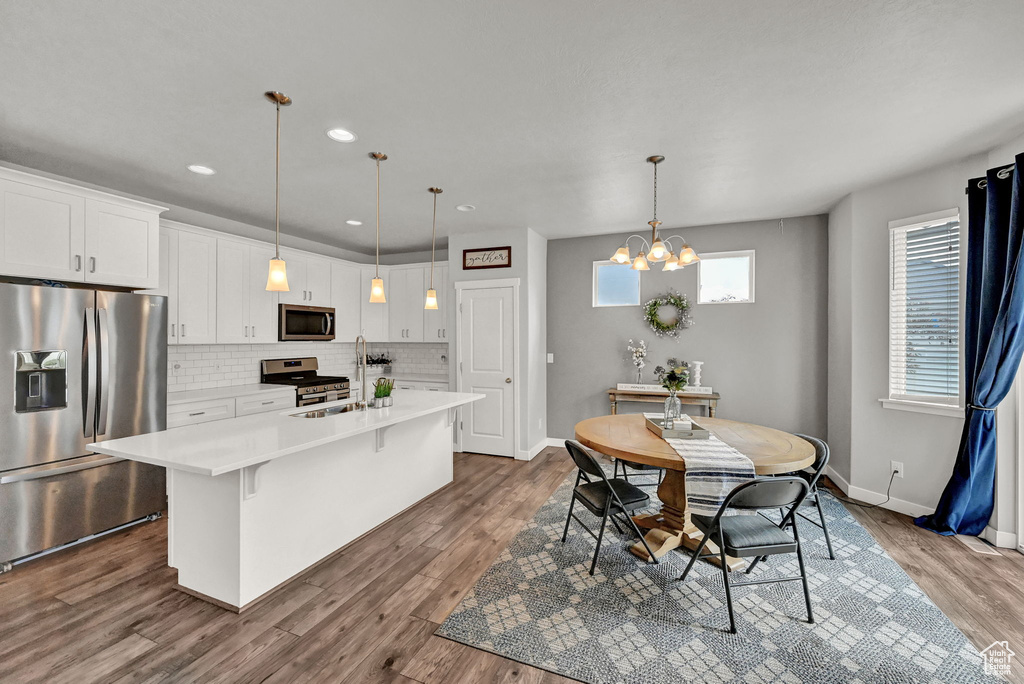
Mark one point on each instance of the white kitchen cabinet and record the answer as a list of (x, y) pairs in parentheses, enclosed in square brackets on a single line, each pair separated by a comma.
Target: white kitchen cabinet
[(309, 280), (406, 297), (346, 293), (263, 326), (168, 283), (55, 230), (194, 413), (246, 406), (245, 310), (373, 317), (122, 245), (196, 289), (435, 323), (42, 232)]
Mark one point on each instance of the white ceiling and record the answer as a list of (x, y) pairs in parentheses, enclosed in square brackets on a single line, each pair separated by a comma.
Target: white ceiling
[(540, 113)]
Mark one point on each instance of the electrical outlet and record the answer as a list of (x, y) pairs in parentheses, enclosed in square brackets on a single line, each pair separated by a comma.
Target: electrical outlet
[(177, 370), (551, 358), (896, 467), (444, 358)]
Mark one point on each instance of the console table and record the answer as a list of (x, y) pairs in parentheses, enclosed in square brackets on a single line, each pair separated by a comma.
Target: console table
[(707, 400)]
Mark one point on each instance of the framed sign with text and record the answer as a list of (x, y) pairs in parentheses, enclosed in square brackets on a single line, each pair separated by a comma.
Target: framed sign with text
[(488, 257)]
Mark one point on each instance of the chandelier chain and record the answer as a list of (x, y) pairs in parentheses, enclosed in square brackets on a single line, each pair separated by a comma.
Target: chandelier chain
[(655, 192), (433, 234)]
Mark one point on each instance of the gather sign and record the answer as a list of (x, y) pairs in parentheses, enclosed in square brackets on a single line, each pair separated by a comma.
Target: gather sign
[(488, 257)]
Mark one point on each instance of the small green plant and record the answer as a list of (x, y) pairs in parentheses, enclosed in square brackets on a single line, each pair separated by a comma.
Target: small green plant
[(383, 387)]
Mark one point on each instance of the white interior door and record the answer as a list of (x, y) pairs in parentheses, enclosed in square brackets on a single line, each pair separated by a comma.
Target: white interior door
[(487, 367)]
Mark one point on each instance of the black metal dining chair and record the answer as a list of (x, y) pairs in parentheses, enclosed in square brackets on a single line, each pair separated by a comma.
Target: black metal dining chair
[(812, 474), (641, 470), (602, 497), (744, 536)]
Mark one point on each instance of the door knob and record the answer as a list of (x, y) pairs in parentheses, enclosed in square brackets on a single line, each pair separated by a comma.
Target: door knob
[(508, 380)]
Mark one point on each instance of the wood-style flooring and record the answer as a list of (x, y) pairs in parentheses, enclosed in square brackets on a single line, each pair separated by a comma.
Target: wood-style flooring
[(107, 611)]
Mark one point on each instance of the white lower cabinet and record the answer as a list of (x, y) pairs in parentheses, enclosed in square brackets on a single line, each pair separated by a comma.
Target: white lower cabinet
[(194, 413), (221, 408)]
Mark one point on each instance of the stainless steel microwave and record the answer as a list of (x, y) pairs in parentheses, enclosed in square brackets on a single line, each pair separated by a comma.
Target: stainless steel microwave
[(305, 322)]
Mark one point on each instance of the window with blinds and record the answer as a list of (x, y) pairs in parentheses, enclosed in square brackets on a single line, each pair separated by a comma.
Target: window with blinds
[(924, 309)]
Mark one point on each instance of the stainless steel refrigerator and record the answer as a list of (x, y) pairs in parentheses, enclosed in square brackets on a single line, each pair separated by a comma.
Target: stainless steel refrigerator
[(76, 366)]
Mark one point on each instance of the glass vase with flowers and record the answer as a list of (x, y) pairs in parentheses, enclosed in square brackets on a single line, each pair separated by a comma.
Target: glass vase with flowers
[(674, 378)]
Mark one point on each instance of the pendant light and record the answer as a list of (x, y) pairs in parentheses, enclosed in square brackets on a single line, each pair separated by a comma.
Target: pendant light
[(431, 302), (377, 284), (658, 249), (277, 276)]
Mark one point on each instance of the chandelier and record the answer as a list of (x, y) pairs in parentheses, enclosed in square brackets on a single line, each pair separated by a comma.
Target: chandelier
[(658, 249)]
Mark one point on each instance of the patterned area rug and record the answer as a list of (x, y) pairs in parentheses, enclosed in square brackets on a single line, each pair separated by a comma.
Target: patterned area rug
[(632, 622)]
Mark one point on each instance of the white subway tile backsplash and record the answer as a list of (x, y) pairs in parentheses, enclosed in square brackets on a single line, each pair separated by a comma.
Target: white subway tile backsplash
[(204, 366)]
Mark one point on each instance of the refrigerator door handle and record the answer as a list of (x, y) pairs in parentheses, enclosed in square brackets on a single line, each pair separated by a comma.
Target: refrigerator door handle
[(50, 472), (89, 362), (104, 362)]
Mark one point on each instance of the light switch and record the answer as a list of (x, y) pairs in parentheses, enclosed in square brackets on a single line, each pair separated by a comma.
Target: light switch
[(551, 358)]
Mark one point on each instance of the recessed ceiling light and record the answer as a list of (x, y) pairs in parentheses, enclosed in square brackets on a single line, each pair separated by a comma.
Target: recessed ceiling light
[(466, 207), (354, 223), (201, 170), (341, 135)]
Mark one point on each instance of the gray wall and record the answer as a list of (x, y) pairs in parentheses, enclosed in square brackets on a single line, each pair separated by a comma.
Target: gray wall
[(767, 359)]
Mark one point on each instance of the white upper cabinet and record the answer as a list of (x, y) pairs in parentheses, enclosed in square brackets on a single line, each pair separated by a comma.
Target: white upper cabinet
[(435, 323), (262, 304), (318, 282), (122, 245), (168, 284), (346, 295), (246, 312), (55, 230), (374, 317), (43, 232), (197, 289), (406, 298), (309, 280)]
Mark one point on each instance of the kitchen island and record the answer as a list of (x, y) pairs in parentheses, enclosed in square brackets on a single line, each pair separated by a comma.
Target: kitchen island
[(255, 501)]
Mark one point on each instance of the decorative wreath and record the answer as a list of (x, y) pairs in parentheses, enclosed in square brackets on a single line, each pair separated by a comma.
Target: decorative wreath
[(669, 328)]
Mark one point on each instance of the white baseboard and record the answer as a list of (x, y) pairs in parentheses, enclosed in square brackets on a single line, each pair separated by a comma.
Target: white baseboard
[(869, 497), (534, 450), (1003, 540), (556, 442)]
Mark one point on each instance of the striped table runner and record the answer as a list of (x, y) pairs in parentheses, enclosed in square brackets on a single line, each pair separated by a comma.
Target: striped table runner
[(713, 469)]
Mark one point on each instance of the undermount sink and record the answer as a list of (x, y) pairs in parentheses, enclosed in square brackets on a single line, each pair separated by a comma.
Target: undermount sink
[(323, 413)]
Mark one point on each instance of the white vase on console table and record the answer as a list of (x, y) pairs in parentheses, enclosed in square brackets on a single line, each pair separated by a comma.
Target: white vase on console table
[(695, 372)]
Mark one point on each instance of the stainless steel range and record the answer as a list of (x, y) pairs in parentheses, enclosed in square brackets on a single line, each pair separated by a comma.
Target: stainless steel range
[(310, 387)]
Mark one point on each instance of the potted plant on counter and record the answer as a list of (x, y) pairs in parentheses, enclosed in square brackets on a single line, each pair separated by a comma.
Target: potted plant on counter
[(382, 392)]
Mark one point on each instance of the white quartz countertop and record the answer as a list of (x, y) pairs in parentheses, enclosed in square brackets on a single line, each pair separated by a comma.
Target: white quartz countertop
[(224, 446), (234, 391)]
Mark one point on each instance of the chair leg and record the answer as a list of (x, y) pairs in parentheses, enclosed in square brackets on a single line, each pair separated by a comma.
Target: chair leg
[(824, 526), (753, 564), (650, 553), (615, 471), (803, 573), (565, 532), (725, 579), (693, 558), (600, 536)]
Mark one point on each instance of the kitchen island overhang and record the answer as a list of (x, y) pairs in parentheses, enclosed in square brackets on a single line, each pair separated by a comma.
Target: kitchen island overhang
[(254, 502)]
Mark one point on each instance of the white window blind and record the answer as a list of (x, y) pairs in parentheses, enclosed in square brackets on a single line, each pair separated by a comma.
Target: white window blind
[(924, 310)]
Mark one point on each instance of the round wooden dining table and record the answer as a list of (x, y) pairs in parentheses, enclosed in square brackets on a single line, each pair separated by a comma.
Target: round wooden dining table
[(626, 437)]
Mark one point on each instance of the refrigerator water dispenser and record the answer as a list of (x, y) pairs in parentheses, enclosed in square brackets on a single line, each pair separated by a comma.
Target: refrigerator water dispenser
[(41, 380)]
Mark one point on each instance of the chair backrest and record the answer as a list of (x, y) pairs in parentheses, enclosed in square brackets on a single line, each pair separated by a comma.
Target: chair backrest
[(768, 492), (584, 461), (821, 454)]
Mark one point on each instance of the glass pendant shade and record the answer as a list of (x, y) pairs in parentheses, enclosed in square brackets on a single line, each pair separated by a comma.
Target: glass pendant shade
[(621, 255), (687, 255), (640, 263), (672, 263), (377, 291), (658, 251), (277, 278), (431, 300)]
